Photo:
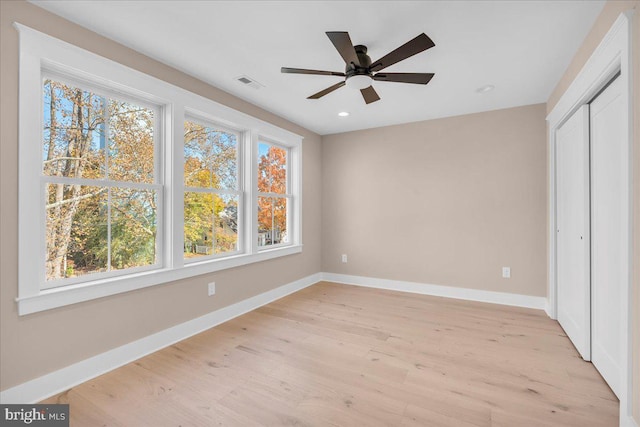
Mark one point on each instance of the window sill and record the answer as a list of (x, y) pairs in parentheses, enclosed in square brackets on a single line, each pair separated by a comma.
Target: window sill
[(72, 294)]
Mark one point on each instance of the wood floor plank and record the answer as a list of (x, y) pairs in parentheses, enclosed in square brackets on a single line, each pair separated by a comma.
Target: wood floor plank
[(343, 355)]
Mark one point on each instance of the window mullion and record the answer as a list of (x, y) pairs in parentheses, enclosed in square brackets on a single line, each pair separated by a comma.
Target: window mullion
[(106, 130), (109, 229), (251, 191), (174, 191)]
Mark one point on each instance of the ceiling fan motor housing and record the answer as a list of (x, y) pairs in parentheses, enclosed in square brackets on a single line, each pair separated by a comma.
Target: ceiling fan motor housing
[(365, 62)]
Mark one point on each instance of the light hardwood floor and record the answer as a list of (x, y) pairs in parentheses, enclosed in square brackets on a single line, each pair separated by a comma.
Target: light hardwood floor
[(349, 356)]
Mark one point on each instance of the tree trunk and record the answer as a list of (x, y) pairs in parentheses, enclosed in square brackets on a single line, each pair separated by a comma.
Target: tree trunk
[(78, 146)]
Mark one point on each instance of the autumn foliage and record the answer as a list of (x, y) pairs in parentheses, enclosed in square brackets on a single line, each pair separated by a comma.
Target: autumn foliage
[(272, 200), (102, 190), (211, 214), (102, 224)]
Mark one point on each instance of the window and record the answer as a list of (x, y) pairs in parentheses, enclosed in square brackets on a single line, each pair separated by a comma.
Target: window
[(273, 195), (99, 175), (127, 181), (211, 195)]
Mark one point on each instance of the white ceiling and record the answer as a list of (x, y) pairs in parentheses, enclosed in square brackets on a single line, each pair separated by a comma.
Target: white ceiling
[(520, 47)]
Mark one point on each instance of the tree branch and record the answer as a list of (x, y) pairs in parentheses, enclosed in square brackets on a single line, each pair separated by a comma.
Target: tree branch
[(75, 199)]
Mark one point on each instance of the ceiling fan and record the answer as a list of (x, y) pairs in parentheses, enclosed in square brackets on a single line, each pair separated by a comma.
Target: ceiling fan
[(360, 71)]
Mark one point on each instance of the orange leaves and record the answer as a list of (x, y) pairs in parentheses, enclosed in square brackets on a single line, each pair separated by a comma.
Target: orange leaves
[(272, 178)]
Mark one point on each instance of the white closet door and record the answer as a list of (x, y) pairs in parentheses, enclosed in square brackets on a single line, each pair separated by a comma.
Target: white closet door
[(572, 216), (609, 231)]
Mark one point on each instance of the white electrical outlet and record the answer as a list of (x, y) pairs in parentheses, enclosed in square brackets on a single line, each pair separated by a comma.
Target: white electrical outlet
[(211, 288), (506, 272), (344, 258)]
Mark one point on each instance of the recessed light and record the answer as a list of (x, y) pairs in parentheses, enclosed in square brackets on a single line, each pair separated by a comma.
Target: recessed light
[(485, 89), (343, 114)]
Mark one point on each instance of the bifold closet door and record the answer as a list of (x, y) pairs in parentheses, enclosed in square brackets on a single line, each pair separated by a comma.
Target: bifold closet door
[(609, 231), (572, 218)]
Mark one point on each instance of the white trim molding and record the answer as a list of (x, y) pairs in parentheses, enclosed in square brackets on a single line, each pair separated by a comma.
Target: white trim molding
[(628, 421), (612, 56), (503, 298), (58, 381)]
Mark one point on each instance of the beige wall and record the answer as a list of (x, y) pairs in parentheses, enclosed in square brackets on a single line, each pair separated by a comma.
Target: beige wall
[(36, 344), (448, 201), (607, 17)]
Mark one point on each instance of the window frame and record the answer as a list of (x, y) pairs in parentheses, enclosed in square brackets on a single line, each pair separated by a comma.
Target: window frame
[(158, 140), (288, 196), (39, 52), (239, 192)]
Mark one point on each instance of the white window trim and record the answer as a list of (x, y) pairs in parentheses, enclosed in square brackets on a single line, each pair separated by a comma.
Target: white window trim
[(38, 51)]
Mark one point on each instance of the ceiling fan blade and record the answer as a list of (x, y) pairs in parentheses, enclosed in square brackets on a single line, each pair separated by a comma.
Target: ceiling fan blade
[(326, 91), (417, 78), (407, 50), (369, 94), (344, 46), (303, 71)]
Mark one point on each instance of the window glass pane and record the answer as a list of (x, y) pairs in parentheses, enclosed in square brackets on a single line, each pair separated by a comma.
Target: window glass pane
[(210, 224), (272, 169), (265, 221), (131, 147), (133, 228), (210, 157), (272, 220), (226, 223), (198, 224), (77, 135), (280, 220), (76, 230), (74, 132)]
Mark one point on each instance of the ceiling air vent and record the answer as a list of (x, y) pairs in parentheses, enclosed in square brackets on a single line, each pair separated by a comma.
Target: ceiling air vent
[(248, 81)]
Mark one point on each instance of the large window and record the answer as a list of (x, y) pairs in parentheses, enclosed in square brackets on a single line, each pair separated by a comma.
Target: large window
[(127, 181), (99, 175), (212, 193)]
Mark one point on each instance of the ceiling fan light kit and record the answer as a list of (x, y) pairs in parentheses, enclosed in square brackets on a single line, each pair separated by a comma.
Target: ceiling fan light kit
[(359, 81), (360, 71)]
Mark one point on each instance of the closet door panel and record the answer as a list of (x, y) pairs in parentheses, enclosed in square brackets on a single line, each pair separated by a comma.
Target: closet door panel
[(572, 217), (609, 231)]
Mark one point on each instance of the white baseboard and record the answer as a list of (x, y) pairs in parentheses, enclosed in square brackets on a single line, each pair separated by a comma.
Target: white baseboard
[(65, 378), (440, 291), (547, 309)]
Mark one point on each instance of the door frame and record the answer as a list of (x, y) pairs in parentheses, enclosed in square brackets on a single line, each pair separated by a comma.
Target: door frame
[(612, 55)]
